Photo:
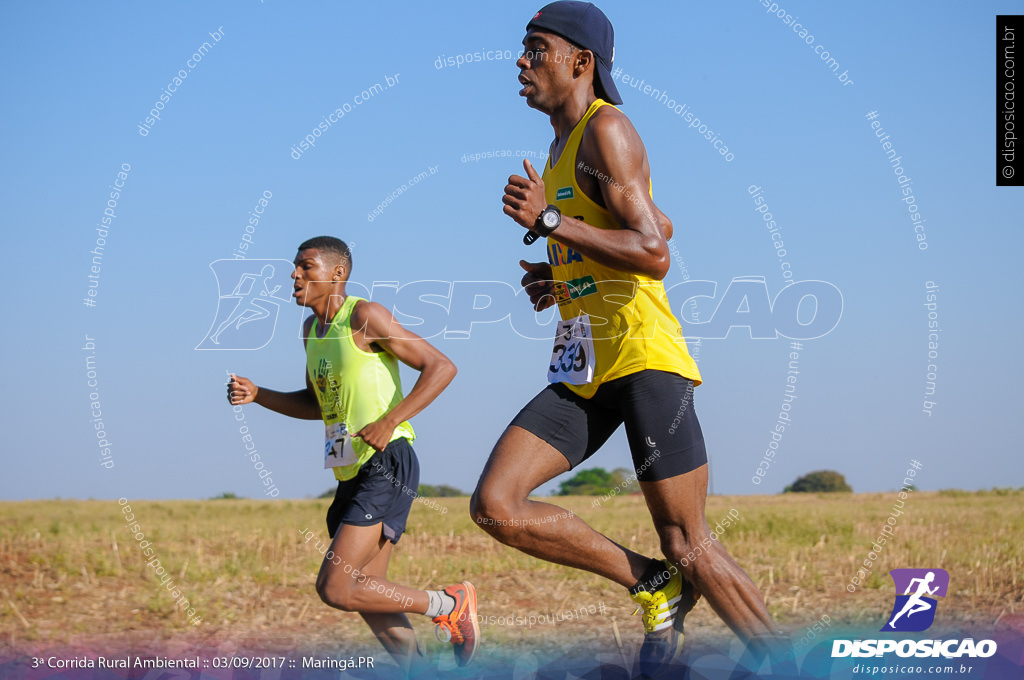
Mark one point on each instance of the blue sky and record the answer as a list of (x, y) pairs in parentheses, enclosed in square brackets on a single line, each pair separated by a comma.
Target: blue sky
[(80, 78)]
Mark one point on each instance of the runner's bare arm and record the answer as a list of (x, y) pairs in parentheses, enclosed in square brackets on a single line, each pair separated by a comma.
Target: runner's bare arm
[(301, 404), (436, 370), (666, 223), (537, 280), (616, 151)]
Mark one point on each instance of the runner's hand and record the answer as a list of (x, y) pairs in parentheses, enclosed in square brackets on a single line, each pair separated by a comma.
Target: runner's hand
[(524, 197), (377, 434), (538, 285), (241, 390)]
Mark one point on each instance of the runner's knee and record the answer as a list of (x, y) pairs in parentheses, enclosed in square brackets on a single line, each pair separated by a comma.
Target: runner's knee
[(337, 590), (475, 508), (492, 510)]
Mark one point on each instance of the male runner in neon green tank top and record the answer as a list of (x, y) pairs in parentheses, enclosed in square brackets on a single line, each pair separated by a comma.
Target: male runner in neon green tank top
[(619, 355), (352, 352)]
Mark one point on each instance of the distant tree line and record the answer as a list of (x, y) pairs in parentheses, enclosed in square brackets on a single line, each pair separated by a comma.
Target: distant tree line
[(598, 482), (820, 481)]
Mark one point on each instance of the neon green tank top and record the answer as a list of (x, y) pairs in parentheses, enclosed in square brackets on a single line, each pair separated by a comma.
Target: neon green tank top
[(354, 387)]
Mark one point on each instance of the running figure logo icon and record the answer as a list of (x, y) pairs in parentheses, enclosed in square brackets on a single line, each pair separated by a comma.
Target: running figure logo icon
[(914, 611), (247, 315)]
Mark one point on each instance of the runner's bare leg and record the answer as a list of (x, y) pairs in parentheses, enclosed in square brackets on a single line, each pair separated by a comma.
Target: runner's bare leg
[(519, 463), (393, 630), (360, 590), (522, 461), (677, 508)]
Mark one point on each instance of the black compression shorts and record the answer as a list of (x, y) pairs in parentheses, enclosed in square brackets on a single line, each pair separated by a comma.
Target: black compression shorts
[(657, 407)]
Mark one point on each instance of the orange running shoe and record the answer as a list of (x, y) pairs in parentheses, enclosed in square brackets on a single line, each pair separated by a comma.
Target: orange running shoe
[(460, 627)]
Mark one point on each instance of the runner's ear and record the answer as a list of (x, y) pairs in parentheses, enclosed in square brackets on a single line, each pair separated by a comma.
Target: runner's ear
[(582, 59)]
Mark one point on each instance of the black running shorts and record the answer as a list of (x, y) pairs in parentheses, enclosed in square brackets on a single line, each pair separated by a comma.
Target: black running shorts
[(381, 492), (657, 407)]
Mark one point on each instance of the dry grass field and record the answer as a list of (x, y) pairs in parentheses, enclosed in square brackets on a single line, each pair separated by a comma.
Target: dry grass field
[(74, 578)]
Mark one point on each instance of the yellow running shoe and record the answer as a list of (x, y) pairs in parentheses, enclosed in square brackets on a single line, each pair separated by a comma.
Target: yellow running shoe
[(460, 627), (663, 614)]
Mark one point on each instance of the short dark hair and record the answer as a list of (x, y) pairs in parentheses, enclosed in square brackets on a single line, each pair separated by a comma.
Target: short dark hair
[(334, 247)]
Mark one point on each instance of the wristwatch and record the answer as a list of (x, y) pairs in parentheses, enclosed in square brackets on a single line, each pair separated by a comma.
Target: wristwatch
[(550, 218)]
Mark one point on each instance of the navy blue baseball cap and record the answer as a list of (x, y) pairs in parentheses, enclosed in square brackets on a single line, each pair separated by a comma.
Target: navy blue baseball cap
[(588, 27)]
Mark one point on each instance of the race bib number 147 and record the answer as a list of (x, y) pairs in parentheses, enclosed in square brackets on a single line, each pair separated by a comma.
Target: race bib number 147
[(572, 358), (338, 451)]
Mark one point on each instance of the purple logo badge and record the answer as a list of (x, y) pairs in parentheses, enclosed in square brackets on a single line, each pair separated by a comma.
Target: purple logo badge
[(915, 604)]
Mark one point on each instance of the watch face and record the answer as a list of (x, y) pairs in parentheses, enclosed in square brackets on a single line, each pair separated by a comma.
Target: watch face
[(550, 219)]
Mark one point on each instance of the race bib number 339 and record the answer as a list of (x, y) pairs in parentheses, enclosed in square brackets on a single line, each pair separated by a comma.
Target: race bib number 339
[(572, 358)]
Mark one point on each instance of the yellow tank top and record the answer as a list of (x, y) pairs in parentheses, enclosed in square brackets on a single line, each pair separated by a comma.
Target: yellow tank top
[(633, 328), (353, 387)]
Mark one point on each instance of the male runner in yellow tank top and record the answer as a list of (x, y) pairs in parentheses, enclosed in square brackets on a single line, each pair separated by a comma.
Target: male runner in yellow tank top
[(352, 352), (619, 355)]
